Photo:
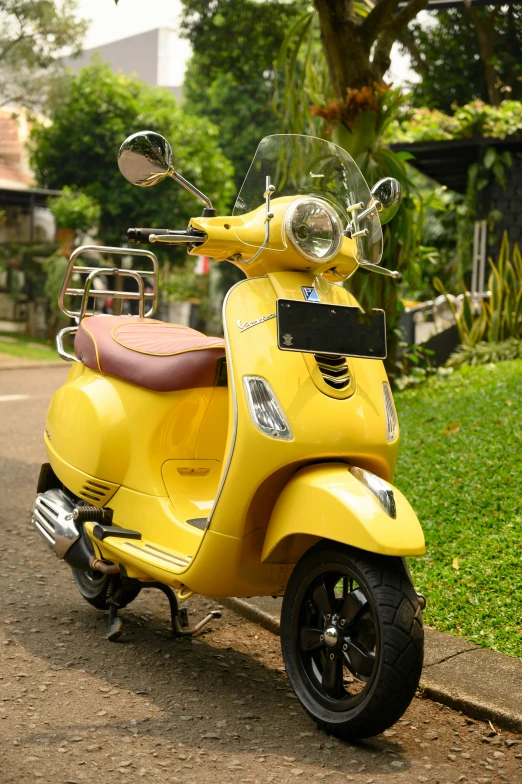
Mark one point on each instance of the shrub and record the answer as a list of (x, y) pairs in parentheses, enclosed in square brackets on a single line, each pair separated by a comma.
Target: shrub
[(499, 317), (484, 353)]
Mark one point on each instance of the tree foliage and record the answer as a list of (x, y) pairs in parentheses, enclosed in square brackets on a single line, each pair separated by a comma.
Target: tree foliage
[(79, 149), (33, 36), (473, 119), (465, 54), (230, 77), (75, 210)]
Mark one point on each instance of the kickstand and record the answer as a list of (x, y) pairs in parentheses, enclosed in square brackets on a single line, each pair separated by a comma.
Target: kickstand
[(179, 618), (115, 625)]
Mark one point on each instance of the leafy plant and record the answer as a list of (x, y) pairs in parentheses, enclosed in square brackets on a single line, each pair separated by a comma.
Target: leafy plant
[(414, 365), (182, 283), (498, 317), (75, 210), (54, 267), (485, 353), (455, 66), (475, 118), (230, 76), (33, 37), (90, 121)]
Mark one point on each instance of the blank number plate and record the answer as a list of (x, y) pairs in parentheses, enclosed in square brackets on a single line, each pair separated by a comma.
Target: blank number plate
[(317, 328)]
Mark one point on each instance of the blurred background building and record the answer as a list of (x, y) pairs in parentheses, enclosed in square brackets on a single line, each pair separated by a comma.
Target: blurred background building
[(157, 57)]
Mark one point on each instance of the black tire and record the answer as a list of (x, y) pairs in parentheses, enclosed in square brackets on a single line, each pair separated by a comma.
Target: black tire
[(93, 587), (360, 681)]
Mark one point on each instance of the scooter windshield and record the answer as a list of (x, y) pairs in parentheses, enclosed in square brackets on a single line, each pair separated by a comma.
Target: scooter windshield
[(307, 166)]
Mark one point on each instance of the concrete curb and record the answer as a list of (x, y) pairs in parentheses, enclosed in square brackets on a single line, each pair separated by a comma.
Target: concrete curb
[(253, 613), (456, 672), (472, 706)]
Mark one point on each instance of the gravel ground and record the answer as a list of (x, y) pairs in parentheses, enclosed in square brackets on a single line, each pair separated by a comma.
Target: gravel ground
[(74, 707)]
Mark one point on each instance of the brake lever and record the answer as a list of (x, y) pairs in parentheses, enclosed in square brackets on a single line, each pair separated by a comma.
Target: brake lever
[(141, 235), (365, 266), (177, 239)]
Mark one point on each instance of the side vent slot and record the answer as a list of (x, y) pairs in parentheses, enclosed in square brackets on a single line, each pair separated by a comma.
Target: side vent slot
[(95, 492), (334, 370)]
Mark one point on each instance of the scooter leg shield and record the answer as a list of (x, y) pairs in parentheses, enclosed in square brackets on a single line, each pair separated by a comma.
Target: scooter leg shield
[(329, 502)]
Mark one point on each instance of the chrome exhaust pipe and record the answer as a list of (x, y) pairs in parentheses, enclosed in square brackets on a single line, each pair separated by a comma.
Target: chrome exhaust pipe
[(52, 518), (55, 521)]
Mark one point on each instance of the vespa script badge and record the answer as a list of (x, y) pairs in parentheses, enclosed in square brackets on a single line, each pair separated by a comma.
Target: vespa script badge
[(247, 324)]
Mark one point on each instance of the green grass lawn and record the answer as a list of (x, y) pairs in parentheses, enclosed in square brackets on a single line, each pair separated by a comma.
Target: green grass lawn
[(460, 466), (27, 348)]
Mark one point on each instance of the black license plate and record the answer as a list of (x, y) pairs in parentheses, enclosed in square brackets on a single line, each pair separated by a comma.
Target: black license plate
[(317, 328)]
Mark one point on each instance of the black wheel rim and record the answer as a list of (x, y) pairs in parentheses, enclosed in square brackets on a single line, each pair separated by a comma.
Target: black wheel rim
[(336, 637), (95, 579)]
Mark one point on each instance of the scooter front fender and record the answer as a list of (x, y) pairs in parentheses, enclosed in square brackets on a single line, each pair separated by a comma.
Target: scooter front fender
[(327, 502)]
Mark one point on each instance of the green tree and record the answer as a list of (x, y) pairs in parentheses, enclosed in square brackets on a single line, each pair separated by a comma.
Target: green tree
[(467, 53), (75, 210), (33, 36), (230, 77), (92, 117)]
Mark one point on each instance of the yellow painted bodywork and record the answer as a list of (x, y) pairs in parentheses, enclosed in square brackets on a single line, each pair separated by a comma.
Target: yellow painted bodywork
[(329, 497), (170, 457), (243, 235)]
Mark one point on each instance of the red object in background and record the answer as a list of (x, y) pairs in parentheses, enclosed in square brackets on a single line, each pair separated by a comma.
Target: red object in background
[(202, 265)]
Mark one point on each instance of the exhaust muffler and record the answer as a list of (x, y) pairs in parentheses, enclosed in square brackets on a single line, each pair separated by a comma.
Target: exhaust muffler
[(55, 520)]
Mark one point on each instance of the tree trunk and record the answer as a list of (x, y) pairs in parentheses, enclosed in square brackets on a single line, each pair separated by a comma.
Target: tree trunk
[(485, 36), (348, 56), (349, 42)]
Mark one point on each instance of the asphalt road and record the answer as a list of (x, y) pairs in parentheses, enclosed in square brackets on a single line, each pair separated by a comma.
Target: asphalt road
[(75, 708)]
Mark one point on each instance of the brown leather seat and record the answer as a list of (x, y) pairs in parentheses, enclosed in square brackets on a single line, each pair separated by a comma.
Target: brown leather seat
[(153, 354)]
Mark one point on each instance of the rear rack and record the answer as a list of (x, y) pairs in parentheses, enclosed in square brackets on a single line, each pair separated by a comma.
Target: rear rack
[(89, 292), (91, 273)]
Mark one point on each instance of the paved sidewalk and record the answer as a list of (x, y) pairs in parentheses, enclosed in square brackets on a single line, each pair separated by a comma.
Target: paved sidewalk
[(8, 362), (481, 683)]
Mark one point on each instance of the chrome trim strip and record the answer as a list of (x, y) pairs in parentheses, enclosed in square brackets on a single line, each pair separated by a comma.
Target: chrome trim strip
[(165, 557), (179, 558)]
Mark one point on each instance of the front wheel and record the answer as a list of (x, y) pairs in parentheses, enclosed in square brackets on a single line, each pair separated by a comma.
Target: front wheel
[(352, 639)]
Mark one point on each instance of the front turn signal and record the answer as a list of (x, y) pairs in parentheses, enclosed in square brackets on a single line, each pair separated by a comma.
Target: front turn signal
[(265, 410)]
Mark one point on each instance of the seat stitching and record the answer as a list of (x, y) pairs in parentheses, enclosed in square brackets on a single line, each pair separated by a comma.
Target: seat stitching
[(172, 353), (95, 346), (154, 323)]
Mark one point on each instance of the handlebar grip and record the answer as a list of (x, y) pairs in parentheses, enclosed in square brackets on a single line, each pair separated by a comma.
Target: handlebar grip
[(139, 235)]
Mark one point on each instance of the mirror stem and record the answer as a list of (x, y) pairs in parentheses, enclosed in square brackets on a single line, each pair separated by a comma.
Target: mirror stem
[(376, 207), (209, 209)]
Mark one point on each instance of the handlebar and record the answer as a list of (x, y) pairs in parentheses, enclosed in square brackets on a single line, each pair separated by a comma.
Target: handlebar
[(189, 237)]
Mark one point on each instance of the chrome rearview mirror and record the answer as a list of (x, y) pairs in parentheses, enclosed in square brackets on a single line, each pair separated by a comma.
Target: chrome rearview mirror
[(145, 158), (386, 198)]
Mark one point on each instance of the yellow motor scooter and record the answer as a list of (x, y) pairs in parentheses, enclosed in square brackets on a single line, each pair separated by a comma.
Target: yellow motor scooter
[(255, 465)]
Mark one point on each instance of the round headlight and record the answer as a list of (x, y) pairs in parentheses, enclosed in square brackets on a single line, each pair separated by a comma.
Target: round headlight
[(313, 228)]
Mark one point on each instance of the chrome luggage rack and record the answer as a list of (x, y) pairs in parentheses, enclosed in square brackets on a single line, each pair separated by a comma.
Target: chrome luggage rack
[(89, 292)]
